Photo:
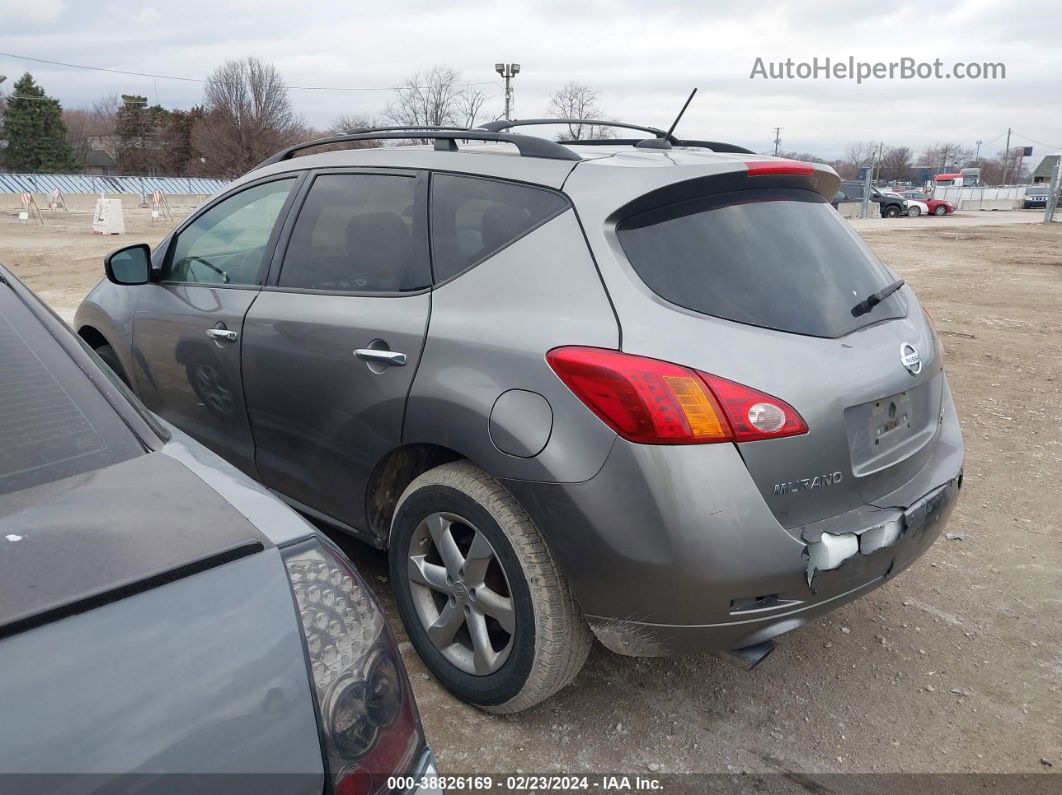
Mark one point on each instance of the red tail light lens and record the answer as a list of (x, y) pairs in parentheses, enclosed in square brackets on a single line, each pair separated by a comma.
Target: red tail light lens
[(653, 402), (369, 723), (753, 414), (792, 168)]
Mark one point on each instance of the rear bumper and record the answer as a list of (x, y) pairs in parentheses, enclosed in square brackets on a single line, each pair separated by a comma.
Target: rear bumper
[(672, 550)]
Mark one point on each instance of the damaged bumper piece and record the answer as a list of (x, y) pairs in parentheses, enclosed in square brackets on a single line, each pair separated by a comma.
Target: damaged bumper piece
[(831, 550)]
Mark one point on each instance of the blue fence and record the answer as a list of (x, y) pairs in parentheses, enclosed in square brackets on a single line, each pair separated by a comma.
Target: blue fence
[(92, 183)]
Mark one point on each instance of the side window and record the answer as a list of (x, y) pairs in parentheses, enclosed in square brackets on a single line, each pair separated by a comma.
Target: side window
[(357, 233), (472, 218), (227, 243)]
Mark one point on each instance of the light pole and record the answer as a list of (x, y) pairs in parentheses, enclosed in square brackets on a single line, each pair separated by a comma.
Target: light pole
[(508, 71)]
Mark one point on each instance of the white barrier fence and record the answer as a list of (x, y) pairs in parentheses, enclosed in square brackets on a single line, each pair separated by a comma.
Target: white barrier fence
[(96, 183), (975, 198)]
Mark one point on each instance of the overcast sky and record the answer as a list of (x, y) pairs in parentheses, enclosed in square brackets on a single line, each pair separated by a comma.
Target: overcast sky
[(643, 57)]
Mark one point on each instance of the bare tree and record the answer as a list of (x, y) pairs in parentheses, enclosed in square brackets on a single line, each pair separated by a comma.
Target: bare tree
[(577, 101), (944, 155), (348, 122), (470, 104), (895, 162), (860, 154), (247, 116), (435, 98)]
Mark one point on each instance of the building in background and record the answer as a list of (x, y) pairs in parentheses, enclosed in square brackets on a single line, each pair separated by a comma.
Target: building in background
[(1045, 170)]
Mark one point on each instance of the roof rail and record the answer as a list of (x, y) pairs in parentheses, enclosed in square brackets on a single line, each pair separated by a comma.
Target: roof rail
[(506, 124), (445, 140), (361, 130), (715, 146)]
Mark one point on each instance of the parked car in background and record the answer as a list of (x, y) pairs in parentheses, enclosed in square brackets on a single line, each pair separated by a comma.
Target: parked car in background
[(162, 614), (914, 208), (933, 206), (1035, 197), (563, 384), (890, 205)]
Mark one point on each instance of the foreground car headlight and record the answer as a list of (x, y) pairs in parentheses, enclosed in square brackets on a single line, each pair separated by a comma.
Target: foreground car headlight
[(368, 721)]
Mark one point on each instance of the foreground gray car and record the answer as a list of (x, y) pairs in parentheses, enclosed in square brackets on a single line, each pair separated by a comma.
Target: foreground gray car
[(655, 389), (166, 625)]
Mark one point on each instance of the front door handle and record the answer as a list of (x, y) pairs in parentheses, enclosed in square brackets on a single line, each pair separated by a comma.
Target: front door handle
[(393, 358), (222, 335)]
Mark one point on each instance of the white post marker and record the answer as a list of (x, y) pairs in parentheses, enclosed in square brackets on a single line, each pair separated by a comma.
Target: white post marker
[(160, 206), (30, 209), (56, 200), (108, 218)]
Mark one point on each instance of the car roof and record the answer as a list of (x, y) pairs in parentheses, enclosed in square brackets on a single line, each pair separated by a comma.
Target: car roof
[(500, 160)]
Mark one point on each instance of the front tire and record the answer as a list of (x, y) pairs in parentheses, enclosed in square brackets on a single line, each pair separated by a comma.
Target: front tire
[(891, 211), (941, 210), (110, 358), (479, 593), (914, 212)]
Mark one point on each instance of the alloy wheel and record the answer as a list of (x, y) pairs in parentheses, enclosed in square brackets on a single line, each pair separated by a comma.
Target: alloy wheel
[(461, 593)]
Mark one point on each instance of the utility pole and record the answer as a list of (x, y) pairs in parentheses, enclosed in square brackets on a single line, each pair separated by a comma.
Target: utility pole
[(777, 139), (508, 71), (1006, 157), (877, 161), (977, 157)]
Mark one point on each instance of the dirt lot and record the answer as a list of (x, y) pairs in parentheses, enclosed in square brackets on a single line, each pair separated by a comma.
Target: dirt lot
[(955, 666)]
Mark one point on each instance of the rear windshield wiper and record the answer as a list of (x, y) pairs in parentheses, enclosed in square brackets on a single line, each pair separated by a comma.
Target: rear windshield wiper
[(874, 299)]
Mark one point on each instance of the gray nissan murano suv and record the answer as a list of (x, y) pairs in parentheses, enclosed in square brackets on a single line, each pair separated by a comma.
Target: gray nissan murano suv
[(650, 390)]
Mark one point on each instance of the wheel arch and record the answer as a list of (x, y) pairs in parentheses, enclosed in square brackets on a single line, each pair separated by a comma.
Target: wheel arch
[(93, 336), (392, 473)]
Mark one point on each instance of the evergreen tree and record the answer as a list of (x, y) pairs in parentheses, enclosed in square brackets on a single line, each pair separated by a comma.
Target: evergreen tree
[(34, 129), (137, 128)]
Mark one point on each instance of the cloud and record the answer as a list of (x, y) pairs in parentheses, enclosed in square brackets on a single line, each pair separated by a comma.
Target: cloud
[(35, 11), (642, 55)]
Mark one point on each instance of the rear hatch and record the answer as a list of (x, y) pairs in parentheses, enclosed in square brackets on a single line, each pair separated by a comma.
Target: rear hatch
[(758, 285)]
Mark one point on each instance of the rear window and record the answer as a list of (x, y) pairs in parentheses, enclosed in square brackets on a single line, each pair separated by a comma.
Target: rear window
[(779, 259), (54, 423)]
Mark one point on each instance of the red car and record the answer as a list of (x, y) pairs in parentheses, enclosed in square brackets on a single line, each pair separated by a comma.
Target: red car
[(936, 206)]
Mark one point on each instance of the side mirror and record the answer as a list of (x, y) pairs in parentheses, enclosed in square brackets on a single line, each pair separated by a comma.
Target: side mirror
[(129, 265)]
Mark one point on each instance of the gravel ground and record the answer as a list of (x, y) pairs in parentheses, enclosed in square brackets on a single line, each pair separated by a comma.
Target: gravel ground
[(954, 666)]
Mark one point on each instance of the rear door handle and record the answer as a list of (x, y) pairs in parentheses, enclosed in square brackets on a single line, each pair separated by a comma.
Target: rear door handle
[(393, 358), (222, 334)]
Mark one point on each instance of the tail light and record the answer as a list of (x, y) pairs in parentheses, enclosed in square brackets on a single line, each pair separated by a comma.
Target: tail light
[(790, 168), (936, 336), (654, 402), (368, 721)]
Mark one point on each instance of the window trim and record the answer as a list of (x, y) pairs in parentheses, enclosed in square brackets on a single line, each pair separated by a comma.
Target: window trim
[(421, 248), (567, 206), (298, 178)]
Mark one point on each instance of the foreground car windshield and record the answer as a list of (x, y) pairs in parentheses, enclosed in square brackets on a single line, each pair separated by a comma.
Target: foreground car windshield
[(779, 259), (54, 423)]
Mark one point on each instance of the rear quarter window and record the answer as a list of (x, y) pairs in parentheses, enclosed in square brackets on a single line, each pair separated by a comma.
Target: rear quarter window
[(473, 218), (779, 259)]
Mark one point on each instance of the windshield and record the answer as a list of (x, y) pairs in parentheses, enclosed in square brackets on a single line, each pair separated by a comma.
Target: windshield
[(779, 259), (54, 423)]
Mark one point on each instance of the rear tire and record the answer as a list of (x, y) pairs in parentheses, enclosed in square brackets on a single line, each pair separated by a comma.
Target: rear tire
[(467, 565)]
